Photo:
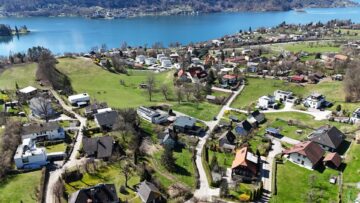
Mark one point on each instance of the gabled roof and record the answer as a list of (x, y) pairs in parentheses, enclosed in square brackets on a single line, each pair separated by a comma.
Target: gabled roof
[(39, 127), (333, 158), (148, 192), (243, 127), (106, 118), (102, 193), (227, 138), (309, 149), (245, 159), (328, 136), (258, 116), (102, 147)]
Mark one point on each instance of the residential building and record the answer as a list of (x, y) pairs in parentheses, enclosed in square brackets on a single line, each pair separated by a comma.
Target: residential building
[(266, 102), (106, 120), (166, 63), (242, 129), (328, 137), (94, 108), (306, 154), (282, 95), (332, 160), (42, 131), (28, 92), (355, 117), (298, 79), (140, 59), (149, 193), (314, 101), (184, 124), (98, 147), (151, 115), (227, 141), (245, 166), (150, 61), (101, 193), (229, 80), (256, 118), (41, 108), (79, 99), (28, 156)]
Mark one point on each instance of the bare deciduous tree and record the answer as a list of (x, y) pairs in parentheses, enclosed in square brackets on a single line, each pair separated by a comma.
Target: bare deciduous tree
[(179, 94), (165, 91), (150, 82), (59, 189), (352, 82), (127, 171)]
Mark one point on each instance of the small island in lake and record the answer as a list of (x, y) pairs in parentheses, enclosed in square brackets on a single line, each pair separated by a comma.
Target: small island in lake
[(7, 31)]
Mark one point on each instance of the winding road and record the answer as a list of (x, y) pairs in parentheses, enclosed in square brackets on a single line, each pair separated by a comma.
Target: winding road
[(55, 175)]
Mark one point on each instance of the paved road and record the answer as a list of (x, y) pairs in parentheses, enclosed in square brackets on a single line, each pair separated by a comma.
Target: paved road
[(205, 192), (54, 175)]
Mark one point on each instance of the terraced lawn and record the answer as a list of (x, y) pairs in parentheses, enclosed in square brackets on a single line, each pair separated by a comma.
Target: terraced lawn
[(351, 174), (312, 47), (293, 184), (20, 188)]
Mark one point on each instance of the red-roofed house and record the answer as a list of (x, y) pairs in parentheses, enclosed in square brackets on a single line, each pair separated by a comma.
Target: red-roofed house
[(245, 165), (306, 154), (298, 78)]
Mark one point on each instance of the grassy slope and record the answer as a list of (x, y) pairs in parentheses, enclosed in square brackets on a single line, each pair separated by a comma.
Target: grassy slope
[(293, 183), (24, 75), (316, 48), (20, 187), (105, 86), (352, 173)]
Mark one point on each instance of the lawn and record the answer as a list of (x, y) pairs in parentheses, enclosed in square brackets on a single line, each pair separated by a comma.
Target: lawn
[(312, 47), (105, 86), (20, 188), (293, 184), (351, 175), (56, 148), (185, 168), (108, 174), (24, 75), (256, 88), (224, 159)]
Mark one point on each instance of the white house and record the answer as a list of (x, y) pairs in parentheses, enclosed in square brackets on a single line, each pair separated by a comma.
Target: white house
[(166, 63), (29, 156), (282, 95), (42, 131), (79, 99), (159, 56), (152, 115), (140, 59), (355, 117), (314, 101), (150, 61), (266, 102), (306, 154), (28, 91)]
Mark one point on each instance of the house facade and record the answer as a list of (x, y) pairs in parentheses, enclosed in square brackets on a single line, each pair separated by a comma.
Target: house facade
[(266, 102), (305, 154), (28, 156), (42, 131), (355, 117), (314, 101), (79, 99), (282, 95)]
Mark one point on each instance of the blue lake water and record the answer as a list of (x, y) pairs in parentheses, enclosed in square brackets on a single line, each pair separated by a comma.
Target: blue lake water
[(80, 34)]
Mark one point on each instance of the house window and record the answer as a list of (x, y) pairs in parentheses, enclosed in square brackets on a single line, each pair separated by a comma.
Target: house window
[(298, 160), (302, 162)]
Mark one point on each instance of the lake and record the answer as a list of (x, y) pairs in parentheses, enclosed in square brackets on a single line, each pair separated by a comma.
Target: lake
[(80, 35)]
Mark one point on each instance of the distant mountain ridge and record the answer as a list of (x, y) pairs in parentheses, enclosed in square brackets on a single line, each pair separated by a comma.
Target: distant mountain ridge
[(86, 7)]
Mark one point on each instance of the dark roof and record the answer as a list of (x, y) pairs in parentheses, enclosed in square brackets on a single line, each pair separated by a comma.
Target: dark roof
[(39, 127), (259, 117), (334, 158), (102, 193), (242, 128), (184, 121), (309, 149), (106, 118), (272, 130), (227, 138), (148, 192), (101, 147), (328, 136)]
